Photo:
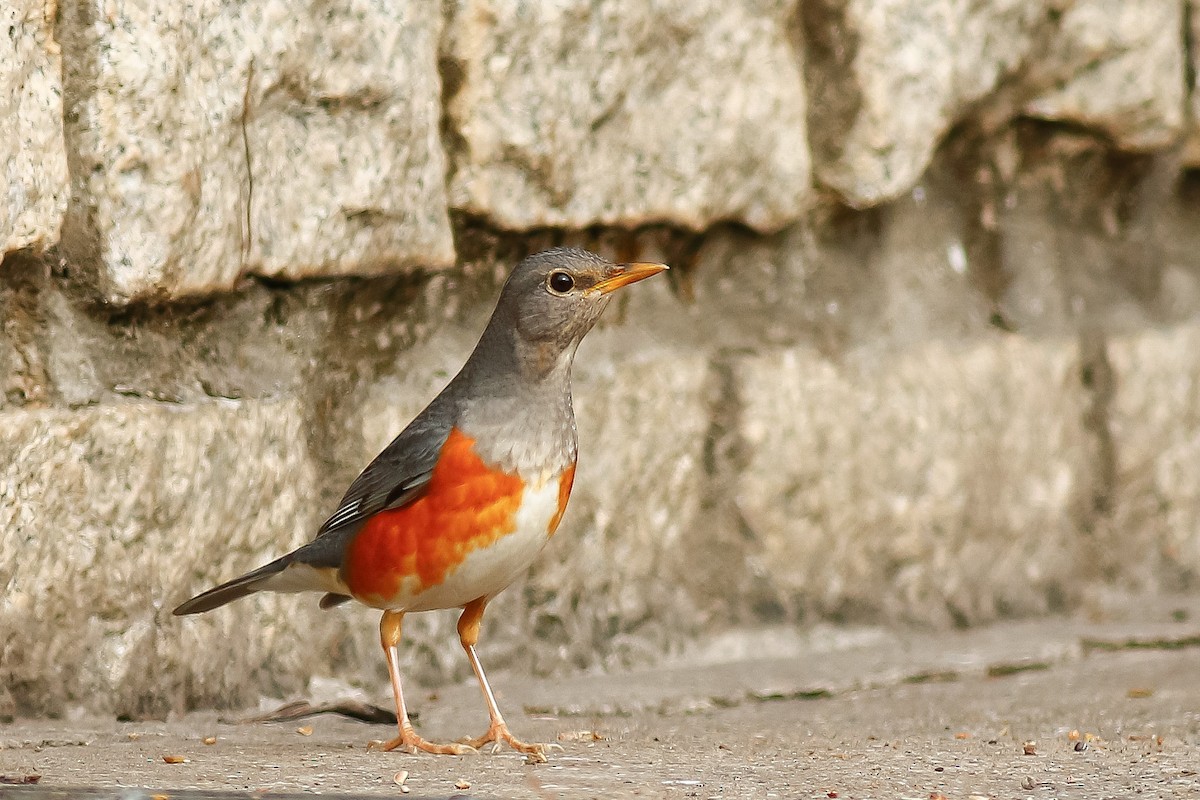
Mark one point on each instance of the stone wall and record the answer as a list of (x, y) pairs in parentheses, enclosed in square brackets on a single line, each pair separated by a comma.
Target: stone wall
[(930, 352)]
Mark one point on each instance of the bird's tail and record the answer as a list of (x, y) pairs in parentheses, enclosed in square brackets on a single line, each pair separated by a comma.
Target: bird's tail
[(235, 589)]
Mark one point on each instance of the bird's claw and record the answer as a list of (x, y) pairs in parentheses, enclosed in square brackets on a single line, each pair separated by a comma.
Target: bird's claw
[(499, 735), (410, 742)]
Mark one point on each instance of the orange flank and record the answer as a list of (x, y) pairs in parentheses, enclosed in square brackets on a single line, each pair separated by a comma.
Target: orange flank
[(465, 506), (565, 480)]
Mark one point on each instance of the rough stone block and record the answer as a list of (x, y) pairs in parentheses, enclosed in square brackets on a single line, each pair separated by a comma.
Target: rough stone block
[(23, 368), (576, 114), (1154, 421), (31, 129), (1091, 243), (934, 483), (281, 139), (111, 515), (900, 275), (861, 305), (1191, 153), (888, 79), (1125, 68)]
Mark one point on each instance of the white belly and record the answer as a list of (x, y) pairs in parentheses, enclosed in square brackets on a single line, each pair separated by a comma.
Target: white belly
[(488, 570)]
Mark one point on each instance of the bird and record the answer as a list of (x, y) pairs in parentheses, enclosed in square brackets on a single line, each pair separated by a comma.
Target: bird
[(463, 500)]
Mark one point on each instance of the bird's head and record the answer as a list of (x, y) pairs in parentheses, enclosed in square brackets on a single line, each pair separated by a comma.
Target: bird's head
[(553, 298)]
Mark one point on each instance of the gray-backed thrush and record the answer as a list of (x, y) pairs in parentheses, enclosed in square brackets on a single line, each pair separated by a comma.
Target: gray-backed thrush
[(464, 499)]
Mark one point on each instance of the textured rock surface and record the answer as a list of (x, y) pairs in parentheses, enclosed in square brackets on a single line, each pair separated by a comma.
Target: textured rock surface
[(573, 114), (1192, 148), (226, 138), (879, 361), (31, 137), (938, 483), (900, 277), (1126, 71), (1155, 427), (888, 79), (111, 515)]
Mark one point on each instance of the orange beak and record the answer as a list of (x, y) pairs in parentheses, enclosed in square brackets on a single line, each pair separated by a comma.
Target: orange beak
[(625, 274)]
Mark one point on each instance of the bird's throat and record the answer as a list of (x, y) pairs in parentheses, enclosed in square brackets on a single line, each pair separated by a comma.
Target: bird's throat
[(546, 361)]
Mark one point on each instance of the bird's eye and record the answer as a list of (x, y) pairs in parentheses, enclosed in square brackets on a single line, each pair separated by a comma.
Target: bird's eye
[(561, 282)]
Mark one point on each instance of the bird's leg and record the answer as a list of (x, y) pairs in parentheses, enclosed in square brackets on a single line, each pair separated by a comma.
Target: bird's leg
[(497, 732), (389, 637)]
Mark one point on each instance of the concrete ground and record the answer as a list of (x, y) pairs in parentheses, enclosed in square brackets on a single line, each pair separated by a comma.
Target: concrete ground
[(1045, 709)]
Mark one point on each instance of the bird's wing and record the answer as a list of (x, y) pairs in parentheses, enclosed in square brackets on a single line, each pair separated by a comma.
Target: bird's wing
[(395, 478)]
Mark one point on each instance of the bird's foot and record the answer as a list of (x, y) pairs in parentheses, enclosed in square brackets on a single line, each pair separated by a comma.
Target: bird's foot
[(410, 742), (498, 734)]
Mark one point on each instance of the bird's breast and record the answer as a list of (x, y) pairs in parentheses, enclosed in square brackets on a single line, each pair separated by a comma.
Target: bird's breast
[(473, 530)]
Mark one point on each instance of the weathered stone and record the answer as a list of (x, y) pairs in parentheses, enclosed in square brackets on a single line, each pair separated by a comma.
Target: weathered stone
[(1125, 69), (576, 114), (31, 134), (893, 276), (888, 367), (1092, 243), (933, 483), (23, 368), (1191, 152), (888, 79), (1154, 421), (111, 515), (225, 138), (894, 454), (253, 344)]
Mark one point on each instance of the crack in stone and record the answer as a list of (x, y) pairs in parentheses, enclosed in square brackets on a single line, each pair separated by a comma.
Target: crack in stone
[(248, 232), (1099, 381)]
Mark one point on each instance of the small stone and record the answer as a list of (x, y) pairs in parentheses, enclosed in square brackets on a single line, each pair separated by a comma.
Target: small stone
[(1029, 748), (1080, 747), (175, 759), (591, 736), (305, 730), (209, 740), (462, 784)]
